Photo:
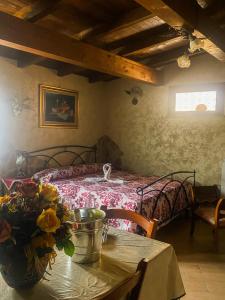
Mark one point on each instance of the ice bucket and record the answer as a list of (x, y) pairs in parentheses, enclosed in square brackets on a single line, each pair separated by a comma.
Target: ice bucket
[(87, 234)]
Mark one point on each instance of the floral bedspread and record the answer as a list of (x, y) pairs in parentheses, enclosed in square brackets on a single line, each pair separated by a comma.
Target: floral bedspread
[(83, 189)]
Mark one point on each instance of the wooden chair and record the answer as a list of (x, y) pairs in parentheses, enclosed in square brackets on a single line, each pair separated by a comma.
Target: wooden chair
[(130, 288), (150, 226), (210, 209)]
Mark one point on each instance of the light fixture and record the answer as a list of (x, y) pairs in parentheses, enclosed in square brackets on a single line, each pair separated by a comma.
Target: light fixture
[(204, 3), (184, 61), (195, 44)]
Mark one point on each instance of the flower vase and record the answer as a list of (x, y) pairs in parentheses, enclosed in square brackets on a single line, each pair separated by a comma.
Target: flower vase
[(17, 273)]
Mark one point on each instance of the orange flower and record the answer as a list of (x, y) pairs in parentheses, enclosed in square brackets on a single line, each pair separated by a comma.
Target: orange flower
[(4, 199), (67, 214), (48, 221), (5, 230), (29, 189), (45, 240), (48, 192)]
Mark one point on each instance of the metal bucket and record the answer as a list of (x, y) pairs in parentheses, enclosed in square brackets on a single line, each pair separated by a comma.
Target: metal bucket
[(87, 230)]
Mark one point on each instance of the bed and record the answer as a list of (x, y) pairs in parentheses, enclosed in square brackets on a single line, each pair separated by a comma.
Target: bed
[(80, 185)]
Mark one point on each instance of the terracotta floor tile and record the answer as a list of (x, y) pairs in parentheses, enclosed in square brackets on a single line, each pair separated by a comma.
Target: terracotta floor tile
[(217, 297), (198, 296), (194, 286), (217, 287), (216, 276), (202, 265)]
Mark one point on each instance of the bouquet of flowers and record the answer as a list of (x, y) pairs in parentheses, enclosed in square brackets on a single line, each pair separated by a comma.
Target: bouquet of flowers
[(33, 223)]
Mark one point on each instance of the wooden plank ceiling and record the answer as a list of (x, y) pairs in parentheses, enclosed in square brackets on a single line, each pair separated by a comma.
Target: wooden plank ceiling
[(103, 40)]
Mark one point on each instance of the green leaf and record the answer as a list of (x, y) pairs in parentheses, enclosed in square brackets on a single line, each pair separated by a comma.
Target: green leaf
[(69, 247), (59, 245)]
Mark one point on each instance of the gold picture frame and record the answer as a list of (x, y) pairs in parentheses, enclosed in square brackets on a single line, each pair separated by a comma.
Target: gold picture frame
[(58, 107)]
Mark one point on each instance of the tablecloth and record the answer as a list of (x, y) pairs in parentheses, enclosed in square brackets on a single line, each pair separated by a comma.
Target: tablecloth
[(121, 254)]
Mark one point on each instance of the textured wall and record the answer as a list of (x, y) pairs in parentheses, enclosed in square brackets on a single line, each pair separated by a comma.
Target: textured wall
[(154, 142), (22, 132)]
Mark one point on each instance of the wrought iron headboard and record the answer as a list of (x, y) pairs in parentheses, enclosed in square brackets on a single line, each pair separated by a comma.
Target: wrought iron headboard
[(148, 189), (79, 153)]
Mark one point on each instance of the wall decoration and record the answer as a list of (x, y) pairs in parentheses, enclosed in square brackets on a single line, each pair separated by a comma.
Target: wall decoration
[(136, 93), (58, 107), (19, 104)]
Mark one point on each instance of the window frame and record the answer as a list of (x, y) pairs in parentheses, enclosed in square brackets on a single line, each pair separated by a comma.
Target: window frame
[(220, 98)]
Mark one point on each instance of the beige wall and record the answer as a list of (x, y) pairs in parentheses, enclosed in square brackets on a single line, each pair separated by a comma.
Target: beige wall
[(155, 143), (152, 141), (22, 132)]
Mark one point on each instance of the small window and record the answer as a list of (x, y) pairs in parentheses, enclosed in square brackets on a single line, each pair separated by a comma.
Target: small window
[(198, 100)]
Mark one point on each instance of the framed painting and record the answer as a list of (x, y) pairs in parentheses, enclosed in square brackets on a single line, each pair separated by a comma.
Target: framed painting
[(58, 107)]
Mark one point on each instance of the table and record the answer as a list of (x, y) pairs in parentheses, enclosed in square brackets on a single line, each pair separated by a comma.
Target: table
[(121, 254)]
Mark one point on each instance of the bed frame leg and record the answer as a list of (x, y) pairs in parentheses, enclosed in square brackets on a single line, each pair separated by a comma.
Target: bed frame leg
[(193, 219), (216, 238), (186, 212)]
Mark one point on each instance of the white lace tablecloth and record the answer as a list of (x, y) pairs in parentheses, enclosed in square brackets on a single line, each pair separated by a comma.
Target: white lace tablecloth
[(120, 256)]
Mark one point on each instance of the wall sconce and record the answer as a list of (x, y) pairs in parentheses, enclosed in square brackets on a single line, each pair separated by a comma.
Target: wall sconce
[(135, 93)]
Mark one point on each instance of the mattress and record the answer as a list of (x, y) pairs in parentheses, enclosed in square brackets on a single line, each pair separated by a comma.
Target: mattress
[(83, 186)]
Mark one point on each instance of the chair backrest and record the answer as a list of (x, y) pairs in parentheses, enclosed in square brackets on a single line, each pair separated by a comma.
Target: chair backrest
[(130, 287), (150, 226), (209, 194), (220, 212)]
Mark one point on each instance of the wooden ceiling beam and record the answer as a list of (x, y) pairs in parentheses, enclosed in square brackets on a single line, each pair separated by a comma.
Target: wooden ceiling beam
[(154, 61), (163, 58), (164, 45), (92, 76), (167, 57), (32, 13), (141, 39), (93, 9), (37, 10), (164, 11), (145, 43), (148, 41), (215, 9), (187, 14), (24, 60), (68, 20), (69, 69), (134, 21), (21, 35), (66, 70), (98, 77)]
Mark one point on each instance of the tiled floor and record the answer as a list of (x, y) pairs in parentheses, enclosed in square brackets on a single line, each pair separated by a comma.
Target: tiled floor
[(202, 265)]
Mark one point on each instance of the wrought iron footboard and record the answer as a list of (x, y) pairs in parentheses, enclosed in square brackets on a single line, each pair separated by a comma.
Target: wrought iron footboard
[(149, 189)]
